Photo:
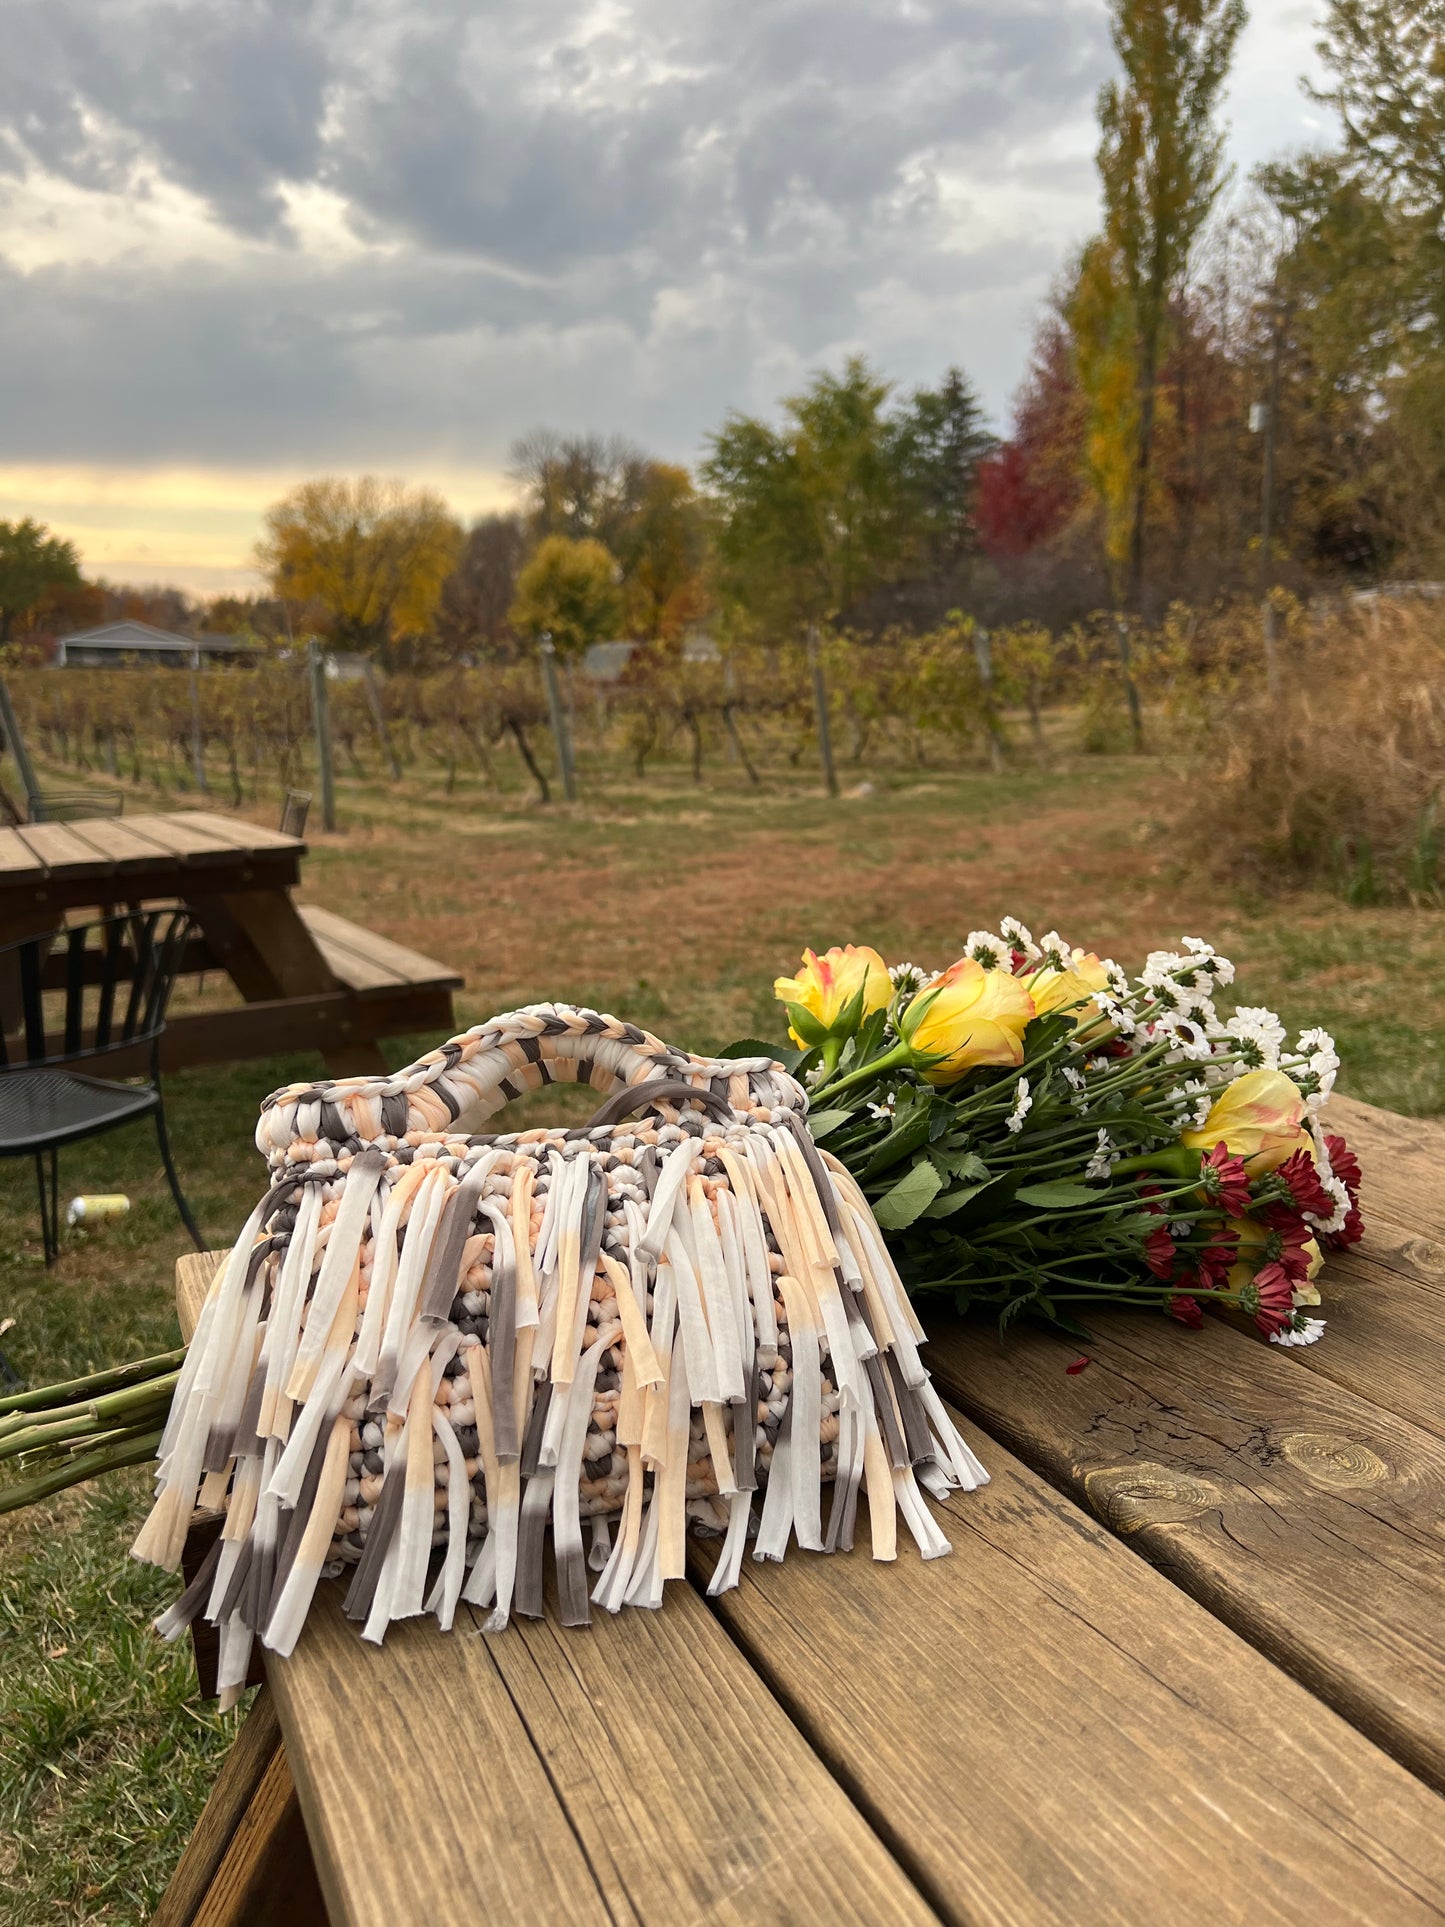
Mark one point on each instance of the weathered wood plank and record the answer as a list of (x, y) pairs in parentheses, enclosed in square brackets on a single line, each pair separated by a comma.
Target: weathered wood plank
[(118, 842), (59, 850), (1046, 1731), (1308, 1519), (1402, 1159), (266, 1873), (513, 1773), (17, 860), (187, 834), (636, 1771), (694, 1797), (239, 833), (252, 1751), (1384, 1307), (365, 961)]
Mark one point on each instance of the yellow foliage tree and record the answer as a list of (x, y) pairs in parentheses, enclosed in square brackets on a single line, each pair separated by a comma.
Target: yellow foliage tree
[(372, 554), (662, 548), (568, 591)]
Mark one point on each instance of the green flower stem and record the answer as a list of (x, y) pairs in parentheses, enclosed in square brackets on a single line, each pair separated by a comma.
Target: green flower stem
[(72, 1471), (45, 1397), (863, 1073)]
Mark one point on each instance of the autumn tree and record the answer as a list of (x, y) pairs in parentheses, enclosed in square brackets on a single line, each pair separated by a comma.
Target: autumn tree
[(476, 602), (809, 515), (661, 548), (568, 591), (33, 563), (1160, 161), (372, 555), (585, 487)]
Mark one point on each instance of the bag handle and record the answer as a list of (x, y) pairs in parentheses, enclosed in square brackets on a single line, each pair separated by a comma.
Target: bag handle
[(484, 1068)]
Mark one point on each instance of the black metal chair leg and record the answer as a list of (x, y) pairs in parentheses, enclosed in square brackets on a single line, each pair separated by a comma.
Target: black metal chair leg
[(49, 1205), (176, 1192)]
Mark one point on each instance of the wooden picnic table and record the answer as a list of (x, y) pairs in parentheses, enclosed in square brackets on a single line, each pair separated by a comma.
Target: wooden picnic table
[(1245, 1723), (311, 980)]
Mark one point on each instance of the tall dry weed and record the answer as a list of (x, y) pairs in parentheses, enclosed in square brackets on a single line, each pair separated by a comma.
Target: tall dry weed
[(1339, 781)]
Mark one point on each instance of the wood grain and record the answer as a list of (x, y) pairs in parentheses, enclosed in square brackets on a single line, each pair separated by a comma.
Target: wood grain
[(1384, 1307), (511, 1779), (241, 1773), (1046, 1731), (635, 1770), (1401, 1161), (266, 1877), (1302, 1515), (366, 962)]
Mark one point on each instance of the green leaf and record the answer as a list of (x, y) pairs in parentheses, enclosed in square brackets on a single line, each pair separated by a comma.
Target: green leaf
[(907, 1136), (952, 1201), (900, 1206), (805, 1024), (755, 1047), (1059, 1197), (820, 1123)]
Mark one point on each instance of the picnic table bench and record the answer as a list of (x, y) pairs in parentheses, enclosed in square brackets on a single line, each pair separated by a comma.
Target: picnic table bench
[(1247, 1723), (310, 980)]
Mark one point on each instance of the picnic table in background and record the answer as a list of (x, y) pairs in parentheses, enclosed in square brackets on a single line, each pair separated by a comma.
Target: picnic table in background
[(311, 980), (1245, 1724)]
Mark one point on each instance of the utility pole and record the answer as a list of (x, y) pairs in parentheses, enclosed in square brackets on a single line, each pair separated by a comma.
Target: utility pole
[(548, 652)]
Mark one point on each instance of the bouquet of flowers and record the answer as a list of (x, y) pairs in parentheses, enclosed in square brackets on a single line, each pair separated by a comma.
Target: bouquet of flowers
[(1036, 1132)]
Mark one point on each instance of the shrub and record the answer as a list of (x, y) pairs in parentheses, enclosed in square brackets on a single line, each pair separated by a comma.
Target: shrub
[(1338, 782)]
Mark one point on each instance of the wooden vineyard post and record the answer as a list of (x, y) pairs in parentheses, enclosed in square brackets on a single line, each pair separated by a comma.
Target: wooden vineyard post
[(983, 656), (1136, 714), (820, 703), (321, 717), (15, 742), (198, 744), (548, 653), (378, 717)]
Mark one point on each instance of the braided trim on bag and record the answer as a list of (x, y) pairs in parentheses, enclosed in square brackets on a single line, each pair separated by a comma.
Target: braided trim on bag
[(485, 1068)]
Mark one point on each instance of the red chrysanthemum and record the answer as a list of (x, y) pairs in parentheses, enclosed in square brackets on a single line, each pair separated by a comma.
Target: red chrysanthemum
[(1349, 1233), (1217, 1257), (1288, 1236), (1270, 1297), (1159, 1253), (1299, 1173), (1187, 1311), (1225, 1180), (1346, 1167)]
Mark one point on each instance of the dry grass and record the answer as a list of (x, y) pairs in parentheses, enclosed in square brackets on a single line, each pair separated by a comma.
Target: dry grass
[(1339, 782)]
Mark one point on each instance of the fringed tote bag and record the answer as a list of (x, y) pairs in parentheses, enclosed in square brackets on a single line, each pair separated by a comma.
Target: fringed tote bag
[(426, 1346)]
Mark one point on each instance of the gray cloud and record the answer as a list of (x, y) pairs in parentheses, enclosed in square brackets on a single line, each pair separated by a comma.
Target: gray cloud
[(629, 216)]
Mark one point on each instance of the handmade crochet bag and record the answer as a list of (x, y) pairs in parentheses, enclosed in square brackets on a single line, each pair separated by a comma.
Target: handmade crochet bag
[(425, 1345)]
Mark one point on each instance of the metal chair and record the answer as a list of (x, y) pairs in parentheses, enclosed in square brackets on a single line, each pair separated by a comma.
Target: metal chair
[(294, 812), (71, 806), (46, 1100)]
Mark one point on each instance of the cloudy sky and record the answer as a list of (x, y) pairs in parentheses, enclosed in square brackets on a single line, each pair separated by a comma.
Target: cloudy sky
[(243, 241)]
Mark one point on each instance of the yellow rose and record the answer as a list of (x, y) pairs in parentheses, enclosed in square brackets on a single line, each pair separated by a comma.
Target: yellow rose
[(827, 985), (970, 1016), (1054, 989), (1259, 1117)]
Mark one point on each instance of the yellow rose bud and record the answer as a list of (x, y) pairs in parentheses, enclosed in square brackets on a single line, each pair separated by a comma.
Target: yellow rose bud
[(827, 985), (969, 1016), (1259, 1117), (1070, 989)]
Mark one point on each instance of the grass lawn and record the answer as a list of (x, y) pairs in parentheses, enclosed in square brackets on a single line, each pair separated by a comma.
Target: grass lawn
[(669, 904)]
